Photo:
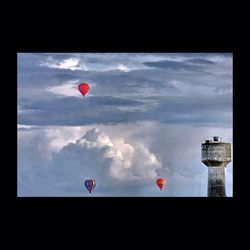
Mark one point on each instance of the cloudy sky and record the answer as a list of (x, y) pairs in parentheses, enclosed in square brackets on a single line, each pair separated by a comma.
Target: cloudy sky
[(144, 117)]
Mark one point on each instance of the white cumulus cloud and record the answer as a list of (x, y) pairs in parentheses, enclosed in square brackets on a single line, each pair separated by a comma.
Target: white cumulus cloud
[(119, 168), (71, 63), (96, 155), (67, 89), (123, 68)]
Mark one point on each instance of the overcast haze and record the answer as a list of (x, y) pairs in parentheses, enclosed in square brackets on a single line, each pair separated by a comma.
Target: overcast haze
[(144, 117)]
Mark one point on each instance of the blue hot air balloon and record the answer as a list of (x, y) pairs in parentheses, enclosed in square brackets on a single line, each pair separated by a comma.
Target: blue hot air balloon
[(90, 185)]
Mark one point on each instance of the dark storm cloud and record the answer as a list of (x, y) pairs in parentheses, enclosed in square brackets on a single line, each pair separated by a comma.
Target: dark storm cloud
[(66, 103), (75, 111), (167, 91), (199, 61), (106, 110), (211, 111), (189, 64)]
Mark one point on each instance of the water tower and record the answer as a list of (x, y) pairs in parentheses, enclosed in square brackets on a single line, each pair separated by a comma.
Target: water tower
[(216, 154)]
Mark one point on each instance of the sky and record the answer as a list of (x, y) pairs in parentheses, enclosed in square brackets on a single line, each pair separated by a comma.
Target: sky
[(145, 117)]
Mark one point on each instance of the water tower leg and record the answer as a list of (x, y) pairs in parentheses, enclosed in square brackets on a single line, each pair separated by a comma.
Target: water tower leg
[(216, 182)]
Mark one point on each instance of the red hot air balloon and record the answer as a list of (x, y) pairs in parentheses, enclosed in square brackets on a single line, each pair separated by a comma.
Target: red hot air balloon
[(83, 88), (161, 183)]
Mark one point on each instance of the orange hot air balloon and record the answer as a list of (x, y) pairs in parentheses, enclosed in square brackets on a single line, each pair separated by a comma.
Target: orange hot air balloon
[(161, 183)]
